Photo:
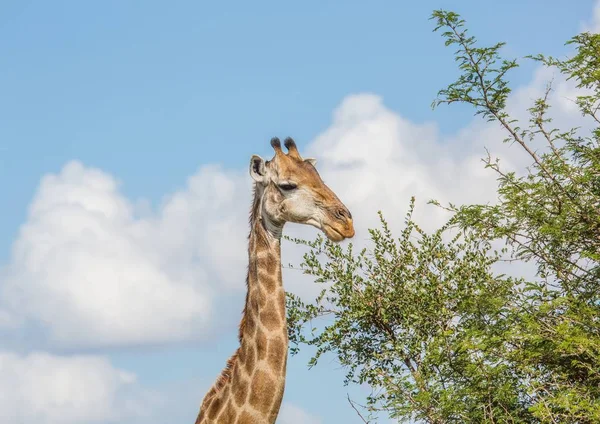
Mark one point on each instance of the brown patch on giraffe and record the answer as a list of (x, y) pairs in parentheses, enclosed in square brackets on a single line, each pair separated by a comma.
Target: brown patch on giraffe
[(241, 357), (228, 415), (261, 243), (262, 297), (250, 360), (246, 418), (268, 282), (252, 265), (250, 323), (261, 345), (238, 372), (270, 317), (240, 390), (262, 391), (268, 264), (251, 301), (276, 355), (215, 407)]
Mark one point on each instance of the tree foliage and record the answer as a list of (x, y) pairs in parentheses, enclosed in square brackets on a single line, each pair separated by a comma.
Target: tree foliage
[(427, 321)]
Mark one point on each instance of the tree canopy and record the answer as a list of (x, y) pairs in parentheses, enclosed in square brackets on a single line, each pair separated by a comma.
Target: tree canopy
[(426, 319)]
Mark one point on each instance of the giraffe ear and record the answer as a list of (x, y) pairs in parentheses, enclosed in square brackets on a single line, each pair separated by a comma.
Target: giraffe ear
[(258, 171), (312, 161)]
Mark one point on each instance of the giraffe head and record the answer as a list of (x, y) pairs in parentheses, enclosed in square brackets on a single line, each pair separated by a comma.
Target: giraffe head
[(292, 190)]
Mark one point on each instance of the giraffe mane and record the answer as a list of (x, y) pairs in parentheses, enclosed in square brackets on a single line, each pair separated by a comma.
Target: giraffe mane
[(224, 376)]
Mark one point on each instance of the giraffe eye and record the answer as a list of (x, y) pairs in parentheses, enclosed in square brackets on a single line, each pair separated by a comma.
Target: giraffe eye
[(287, 186)]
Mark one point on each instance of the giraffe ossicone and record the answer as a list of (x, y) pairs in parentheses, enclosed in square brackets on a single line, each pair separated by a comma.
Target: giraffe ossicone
[(287, 188)]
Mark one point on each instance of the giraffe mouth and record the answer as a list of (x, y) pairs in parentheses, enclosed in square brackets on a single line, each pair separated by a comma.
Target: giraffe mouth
[(330, 231), (332, 234)]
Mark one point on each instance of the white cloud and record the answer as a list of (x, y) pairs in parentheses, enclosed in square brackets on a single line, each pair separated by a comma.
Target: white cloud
[(45, 389), (292, 414), (377, 160), (90, 271), (172, 402), (594, 24)]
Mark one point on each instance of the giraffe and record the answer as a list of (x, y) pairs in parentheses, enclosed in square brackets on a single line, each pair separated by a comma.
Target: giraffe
[(287, 188)]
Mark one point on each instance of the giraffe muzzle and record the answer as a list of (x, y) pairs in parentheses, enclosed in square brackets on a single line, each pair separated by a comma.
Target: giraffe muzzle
[(340, 226)]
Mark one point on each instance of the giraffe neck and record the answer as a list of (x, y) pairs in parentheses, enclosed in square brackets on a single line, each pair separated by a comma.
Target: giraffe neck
[(251, 387)]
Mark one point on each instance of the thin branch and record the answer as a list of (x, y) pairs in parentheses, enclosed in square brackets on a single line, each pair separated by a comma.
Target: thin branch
[(356, 410)]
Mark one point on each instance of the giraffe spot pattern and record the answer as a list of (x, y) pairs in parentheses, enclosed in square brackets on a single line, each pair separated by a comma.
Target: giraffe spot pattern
[(250, 323), (270, 317), (262, 392), (250, 358), (215, 407), (228, 415), (246, 418), (261, 243), (261, 345), (276, 355), (268, 264), (268, 282), (262, 298), (240, 388)]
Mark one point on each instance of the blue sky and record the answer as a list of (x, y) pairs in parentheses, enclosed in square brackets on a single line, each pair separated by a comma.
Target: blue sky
[(149, 92)]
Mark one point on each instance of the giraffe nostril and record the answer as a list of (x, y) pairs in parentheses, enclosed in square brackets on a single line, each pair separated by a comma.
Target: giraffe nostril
[(343, 213)]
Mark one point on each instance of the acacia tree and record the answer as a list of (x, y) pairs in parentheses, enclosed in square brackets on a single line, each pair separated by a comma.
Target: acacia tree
[(428, 324)]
